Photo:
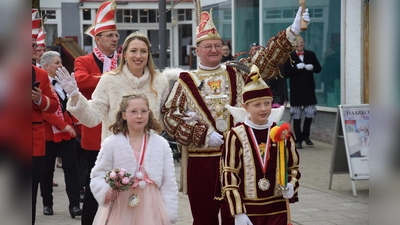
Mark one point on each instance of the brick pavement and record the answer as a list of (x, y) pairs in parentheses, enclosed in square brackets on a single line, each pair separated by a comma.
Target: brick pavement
[(317, 206)]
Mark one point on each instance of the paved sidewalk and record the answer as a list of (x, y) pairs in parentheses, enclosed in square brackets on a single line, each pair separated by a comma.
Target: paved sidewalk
[(317, 206)]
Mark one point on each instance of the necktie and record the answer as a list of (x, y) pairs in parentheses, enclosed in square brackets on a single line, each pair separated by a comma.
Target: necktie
[(300, 53), (54, 82)]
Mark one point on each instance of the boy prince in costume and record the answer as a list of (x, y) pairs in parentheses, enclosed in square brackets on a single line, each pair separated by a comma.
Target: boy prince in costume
[(137, 148), (250, 162)]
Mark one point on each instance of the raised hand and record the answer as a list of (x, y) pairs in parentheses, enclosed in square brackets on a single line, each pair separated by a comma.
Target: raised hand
[(296, 23), (67, 81)]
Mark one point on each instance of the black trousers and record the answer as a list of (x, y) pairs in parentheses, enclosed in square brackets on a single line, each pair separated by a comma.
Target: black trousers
[(37, 165), (90, 204), (66, 150)]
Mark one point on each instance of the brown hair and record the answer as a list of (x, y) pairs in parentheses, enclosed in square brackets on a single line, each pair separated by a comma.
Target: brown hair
[(150, 62), (121, 125)]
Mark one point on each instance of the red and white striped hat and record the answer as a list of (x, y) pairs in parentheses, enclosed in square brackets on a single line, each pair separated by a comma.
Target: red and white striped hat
[(41, 37), (104, 20), (35, 23)]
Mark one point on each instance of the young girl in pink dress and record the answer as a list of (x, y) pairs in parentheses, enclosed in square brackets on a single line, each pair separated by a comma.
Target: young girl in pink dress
[(136, 147)]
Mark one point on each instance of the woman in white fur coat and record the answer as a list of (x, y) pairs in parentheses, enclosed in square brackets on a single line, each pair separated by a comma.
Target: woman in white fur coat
[(136, 72), (134, 146)]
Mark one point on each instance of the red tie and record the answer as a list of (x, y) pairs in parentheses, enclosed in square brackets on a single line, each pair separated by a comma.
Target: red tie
[(300, 53)]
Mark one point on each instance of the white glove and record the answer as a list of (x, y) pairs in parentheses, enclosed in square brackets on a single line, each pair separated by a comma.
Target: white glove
[(215, 139), (190, 116), (296, 23), (242, 219), (300, 66), (289, 192), (67, 81), (309, 67)]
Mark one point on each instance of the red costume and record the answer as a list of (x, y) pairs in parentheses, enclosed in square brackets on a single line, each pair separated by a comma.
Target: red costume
[(87, 75), (48, 104)]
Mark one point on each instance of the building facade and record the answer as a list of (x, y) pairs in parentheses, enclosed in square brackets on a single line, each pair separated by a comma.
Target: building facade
[(338, 34)]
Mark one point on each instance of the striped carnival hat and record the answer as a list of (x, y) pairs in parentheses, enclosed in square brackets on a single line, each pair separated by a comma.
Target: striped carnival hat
[(206, 29), (35, 23), (255, 87), (41, 37), (104, 20)]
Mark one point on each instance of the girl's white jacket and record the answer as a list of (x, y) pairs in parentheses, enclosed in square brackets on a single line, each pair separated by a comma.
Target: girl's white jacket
[(158, 163)]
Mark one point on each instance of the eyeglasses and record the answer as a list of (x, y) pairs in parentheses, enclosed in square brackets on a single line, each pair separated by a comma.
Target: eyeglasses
[(117, 36), (34, 46), (209, 47), (136, 113)]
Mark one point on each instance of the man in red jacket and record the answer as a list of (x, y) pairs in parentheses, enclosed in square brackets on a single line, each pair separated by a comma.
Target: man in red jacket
[(88, 70), (43, 100)]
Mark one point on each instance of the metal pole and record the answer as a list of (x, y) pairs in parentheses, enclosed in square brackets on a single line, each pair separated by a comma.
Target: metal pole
[(162, 34), (172, 52)]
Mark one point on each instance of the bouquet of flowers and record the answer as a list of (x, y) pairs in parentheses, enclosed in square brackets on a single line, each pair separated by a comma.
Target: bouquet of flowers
[(119, 180)]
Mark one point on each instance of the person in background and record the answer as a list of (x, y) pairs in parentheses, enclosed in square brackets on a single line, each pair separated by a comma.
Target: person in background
[(250, 162), (60, 141), (279, 90), (136, 147), (41, 46), (196, 116), (43, 100), (226, 52), (302, 90)]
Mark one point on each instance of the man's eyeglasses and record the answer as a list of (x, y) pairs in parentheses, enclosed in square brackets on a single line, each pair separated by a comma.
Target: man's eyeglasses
[(209, 47), (117, 36)]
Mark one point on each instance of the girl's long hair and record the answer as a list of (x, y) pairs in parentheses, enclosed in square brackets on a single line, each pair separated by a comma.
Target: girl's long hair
[(121, 125)]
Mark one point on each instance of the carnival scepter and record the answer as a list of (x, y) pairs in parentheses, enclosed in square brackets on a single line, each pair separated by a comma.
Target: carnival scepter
[(303, 24), (278, 134)]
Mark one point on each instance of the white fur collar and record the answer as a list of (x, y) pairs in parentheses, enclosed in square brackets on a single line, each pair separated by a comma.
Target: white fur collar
[(136, 82)]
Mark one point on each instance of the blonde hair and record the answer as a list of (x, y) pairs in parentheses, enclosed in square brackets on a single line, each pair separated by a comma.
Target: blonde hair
[(121, 125), (150, 62)]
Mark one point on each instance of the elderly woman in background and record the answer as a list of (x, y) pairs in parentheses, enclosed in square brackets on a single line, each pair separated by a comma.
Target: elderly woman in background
[(60, 141), (136, 72)]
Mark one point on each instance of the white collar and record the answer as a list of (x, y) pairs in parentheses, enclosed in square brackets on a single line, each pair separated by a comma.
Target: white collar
[(249, 123), (208, 68)]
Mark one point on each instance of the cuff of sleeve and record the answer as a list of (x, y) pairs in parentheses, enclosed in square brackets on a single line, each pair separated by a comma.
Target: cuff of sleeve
[(293, 39)]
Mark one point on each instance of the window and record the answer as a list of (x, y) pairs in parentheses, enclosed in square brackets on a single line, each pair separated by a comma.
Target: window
[(49, 14), (184, 14), (87, 14)]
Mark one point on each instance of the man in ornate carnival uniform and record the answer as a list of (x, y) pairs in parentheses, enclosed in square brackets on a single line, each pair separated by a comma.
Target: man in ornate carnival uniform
[(196, 117), (88, 70), (251, 162)]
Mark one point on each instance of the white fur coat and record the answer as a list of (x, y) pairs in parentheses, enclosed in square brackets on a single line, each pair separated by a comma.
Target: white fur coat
[(158, 163), (104, 105)]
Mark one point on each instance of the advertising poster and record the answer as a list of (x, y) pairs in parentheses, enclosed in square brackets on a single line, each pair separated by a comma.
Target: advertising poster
[(355, 123)]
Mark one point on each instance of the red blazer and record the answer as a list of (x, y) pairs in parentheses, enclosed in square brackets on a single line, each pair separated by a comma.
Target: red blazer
[(51, 119), (48, 104), (87, 75)]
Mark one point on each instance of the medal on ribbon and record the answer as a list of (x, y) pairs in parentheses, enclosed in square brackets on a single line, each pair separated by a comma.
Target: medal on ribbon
[(263, 156), (133, 200)]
